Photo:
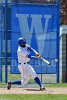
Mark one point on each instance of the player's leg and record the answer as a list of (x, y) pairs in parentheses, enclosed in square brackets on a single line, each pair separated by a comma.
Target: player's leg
[(18, 82), (34, 76), (24, 76)]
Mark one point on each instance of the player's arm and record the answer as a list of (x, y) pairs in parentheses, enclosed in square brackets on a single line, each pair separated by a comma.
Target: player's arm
[(33, 50)]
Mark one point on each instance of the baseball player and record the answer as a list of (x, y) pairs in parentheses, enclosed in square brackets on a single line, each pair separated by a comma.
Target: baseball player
[(24, 67)]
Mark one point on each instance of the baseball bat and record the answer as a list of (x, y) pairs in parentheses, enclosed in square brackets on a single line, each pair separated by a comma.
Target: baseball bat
[(43, 60)]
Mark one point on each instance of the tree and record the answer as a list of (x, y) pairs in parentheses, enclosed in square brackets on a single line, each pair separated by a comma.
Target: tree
[(63, 12)]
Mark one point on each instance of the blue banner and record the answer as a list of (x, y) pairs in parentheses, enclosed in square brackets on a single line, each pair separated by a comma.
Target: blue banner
[(39, 25)]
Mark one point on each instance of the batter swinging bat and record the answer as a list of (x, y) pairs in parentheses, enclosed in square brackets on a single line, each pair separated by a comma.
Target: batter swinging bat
[(43, 60)]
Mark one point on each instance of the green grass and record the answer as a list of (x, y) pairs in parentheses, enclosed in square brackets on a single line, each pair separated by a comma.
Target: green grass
[(33, 97), (57, 85)]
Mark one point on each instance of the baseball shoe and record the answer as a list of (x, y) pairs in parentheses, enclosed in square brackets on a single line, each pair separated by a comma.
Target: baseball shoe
[(42, 88), (9, 85)]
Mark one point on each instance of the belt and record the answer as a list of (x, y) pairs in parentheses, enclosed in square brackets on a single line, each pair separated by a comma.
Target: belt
[(24, 63)]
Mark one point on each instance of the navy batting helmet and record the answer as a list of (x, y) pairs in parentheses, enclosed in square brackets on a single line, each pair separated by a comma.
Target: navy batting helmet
[(21, 41)]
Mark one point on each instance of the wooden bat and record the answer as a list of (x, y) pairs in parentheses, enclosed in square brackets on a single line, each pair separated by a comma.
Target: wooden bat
[(44, 60)]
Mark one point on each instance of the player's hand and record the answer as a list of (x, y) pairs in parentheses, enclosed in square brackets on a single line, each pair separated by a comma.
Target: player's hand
[(38, 55)]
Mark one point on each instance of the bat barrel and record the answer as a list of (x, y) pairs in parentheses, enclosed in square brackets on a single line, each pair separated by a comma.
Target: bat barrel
[(42, 60), (45, 61)]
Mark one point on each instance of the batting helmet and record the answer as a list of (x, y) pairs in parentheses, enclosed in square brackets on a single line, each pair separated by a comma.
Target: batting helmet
[(21, 41)]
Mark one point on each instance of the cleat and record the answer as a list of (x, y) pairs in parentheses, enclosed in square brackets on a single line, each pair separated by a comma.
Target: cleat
[(42, 88), (9, 85)]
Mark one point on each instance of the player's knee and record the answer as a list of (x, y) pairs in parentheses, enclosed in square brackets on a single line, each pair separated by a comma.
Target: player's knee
[(35, 75), (24, 82), (21, 82)]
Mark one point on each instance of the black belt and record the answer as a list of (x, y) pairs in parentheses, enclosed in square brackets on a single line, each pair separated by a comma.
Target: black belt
[(24, 63)]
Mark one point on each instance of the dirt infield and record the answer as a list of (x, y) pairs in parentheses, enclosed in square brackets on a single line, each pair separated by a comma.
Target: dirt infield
[(33, 91)]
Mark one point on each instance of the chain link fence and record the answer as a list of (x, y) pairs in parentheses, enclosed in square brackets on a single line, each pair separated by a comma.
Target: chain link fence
[(45, 78)]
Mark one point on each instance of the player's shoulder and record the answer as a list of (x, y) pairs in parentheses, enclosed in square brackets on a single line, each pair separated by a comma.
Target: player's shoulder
[(19, 49)]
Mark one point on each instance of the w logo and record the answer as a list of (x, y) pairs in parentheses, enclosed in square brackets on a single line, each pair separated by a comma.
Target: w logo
[(34, 25)]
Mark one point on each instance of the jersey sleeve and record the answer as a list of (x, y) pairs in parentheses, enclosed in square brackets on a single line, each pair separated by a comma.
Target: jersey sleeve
[(31, 49)]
